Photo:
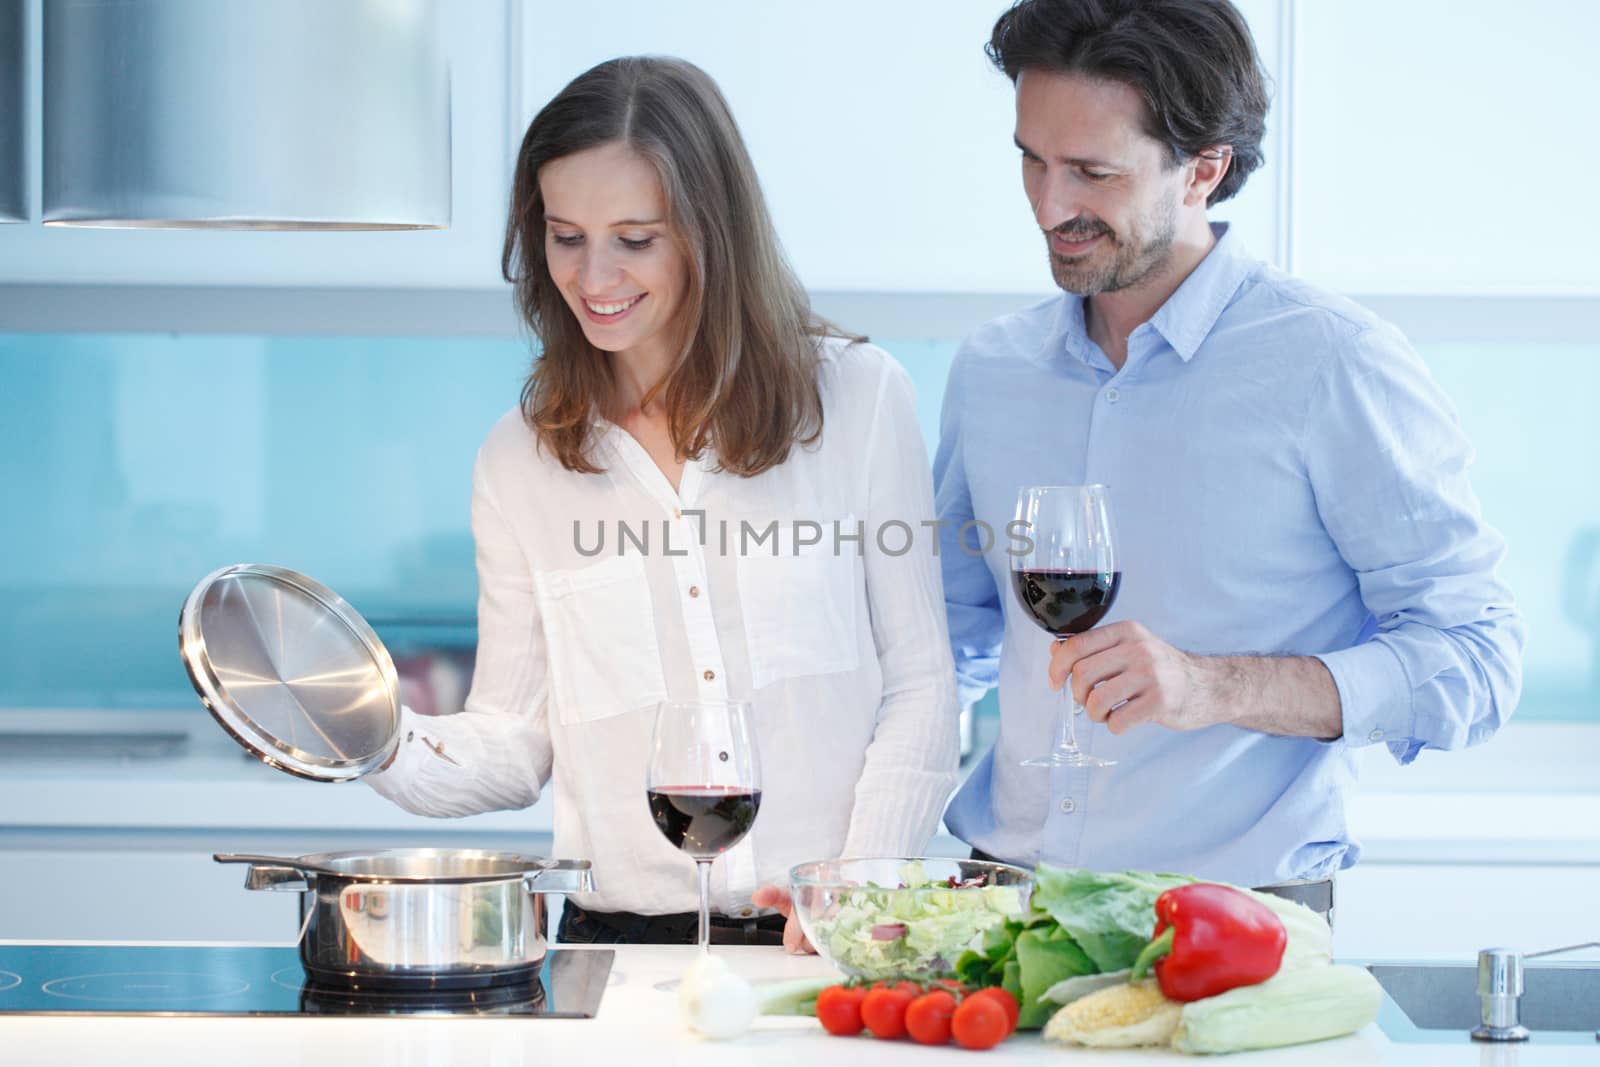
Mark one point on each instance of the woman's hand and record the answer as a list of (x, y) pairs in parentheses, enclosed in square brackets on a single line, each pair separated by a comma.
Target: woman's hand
[(794, 937)]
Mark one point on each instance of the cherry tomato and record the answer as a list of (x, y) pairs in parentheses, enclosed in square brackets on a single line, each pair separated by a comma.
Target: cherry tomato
[(979, 1022), (928, 1017), (903, 984), (1005, 1000), (884, 1011), (839, 1009)]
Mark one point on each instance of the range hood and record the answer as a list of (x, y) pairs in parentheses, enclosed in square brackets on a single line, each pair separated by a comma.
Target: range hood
[(13, 104), (245, 114)]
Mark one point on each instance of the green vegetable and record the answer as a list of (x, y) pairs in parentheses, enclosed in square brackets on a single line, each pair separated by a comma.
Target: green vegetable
[(1295, 1006), (1079, 923), (792, 996), (1110, 916), (1045, 955), (1082, 923)]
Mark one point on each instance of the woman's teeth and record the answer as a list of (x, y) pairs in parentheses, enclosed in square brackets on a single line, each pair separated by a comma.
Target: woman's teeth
[(612, 309)]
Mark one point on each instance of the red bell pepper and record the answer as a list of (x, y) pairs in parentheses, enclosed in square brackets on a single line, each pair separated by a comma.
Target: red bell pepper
[(1210, 939)]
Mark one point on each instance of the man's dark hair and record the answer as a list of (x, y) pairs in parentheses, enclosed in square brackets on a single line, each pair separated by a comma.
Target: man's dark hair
[(1193, 61)]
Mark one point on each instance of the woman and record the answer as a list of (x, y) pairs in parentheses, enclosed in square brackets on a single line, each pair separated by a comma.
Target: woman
[(685, 390)]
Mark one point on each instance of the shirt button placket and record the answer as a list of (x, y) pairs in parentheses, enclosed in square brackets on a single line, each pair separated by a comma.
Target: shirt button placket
[(700, 625)]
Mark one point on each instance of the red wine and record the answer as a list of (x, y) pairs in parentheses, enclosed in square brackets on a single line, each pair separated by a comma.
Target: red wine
[(704, 821), (1066, 602)]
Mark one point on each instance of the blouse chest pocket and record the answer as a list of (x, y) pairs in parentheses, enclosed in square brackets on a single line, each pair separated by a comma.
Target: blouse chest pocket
[(799, 605), (600, 634)]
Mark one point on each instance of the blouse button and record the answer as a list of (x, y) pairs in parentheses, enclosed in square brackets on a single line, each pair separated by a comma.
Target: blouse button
[(694, 590), (710, 676)]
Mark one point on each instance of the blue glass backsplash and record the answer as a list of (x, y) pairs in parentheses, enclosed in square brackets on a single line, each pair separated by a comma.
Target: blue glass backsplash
[(135, 464)]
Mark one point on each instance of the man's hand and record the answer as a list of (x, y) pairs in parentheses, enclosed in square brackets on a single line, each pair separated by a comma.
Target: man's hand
[(794, 938), (1124, 675)]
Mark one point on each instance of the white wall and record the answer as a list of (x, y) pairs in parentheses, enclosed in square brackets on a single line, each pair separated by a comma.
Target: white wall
[(1447, 145)]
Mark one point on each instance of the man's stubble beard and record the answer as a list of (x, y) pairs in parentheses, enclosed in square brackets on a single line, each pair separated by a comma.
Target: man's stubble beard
[(1132, 263)]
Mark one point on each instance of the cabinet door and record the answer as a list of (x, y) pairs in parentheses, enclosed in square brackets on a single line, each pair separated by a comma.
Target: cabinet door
[(1439, 145), (881, 132), (465, 254)]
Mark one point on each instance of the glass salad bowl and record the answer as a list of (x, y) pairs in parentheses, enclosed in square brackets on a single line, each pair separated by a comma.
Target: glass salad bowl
[(906, 917)]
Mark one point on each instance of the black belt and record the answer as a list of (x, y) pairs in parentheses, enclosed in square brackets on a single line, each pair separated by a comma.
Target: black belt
[(630, 928), (1316, 894)]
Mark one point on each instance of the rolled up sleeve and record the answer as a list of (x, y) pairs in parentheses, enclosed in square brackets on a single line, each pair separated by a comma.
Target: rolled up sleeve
[(1440, 664), (495, 754)]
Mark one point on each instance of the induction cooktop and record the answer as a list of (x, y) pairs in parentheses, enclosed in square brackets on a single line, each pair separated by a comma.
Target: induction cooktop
[(216, 980)]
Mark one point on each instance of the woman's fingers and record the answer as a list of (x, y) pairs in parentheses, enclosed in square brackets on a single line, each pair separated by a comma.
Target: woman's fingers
[(772, 896)]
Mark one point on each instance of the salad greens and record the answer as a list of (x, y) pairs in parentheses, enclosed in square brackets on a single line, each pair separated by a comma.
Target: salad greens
[(1080, 923), (1083, 923), (916, 928)]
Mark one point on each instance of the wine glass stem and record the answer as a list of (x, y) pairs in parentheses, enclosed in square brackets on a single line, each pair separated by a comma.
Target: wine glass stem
[(1066, 730), (704, 867)]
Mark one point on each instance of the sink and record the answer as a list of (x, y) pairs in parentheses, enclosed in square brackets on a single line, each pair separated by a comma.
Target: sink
[(1558, 998)]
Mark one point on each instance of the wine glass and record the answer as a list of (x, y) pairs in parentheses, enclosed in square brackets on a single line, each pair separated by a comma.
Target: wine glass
[(703, 784), (1066, 582)]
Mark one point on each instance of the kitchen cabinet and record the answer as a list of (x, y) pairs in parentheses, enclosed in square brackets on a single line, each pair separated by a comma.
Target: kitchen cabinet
[(466, 255), (881, 133)]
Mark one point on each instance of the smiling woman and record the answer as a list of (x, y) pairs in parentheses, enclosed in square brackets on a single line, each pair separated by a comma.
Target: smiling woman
[(621, 271), (638, 228), (685, 382)]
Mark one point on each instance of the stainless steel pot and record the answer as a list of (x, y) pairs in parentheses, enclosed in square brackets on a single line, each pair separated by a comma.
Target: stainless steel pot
[(418, 917)]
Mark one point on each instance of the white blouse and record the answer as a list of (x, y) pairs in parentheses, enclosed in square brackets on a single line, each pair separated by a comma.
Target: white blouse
[(839, 646)]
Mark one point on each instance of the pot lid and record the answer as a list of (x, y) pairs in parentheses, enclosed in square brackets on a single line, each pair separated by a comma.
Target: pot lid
[(292, 671)]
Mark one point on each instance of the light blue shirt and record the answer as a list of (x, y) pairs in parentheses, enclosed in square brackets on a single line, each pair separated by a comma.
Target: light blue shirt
[(1285, 478)]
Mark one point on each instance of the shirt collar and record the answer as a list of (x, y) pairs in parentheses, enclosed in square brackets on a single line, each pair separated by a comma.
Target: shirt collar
[(1187, 317), (1189, 313)]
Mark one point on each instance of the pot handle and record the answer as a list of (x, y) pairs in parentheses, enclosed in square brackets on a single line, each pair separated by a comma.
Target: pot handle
[(560, 876), (271, 872)]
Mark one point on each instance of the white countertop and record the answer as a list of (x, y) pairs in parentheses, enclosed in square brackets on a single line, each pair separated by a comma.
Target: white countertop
[(636, 1024)]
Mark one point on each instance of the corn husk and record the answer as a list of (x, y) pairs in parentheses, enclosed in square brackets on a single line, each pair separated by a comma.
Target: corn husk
[(1290, 1008)]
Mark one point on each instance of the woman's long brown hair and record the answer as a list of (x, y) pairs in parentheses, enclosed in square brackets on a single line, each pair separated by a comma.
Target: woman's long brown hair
[(745, 382)]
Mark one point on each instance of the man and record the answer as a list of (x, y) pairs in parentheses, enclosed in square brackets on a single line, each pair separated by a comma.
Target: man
[(1304, 568)]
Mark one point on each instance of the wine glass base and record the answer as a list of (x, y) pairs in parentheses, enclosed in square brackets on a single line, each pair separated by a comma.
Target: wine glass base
[(1069, 759)]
